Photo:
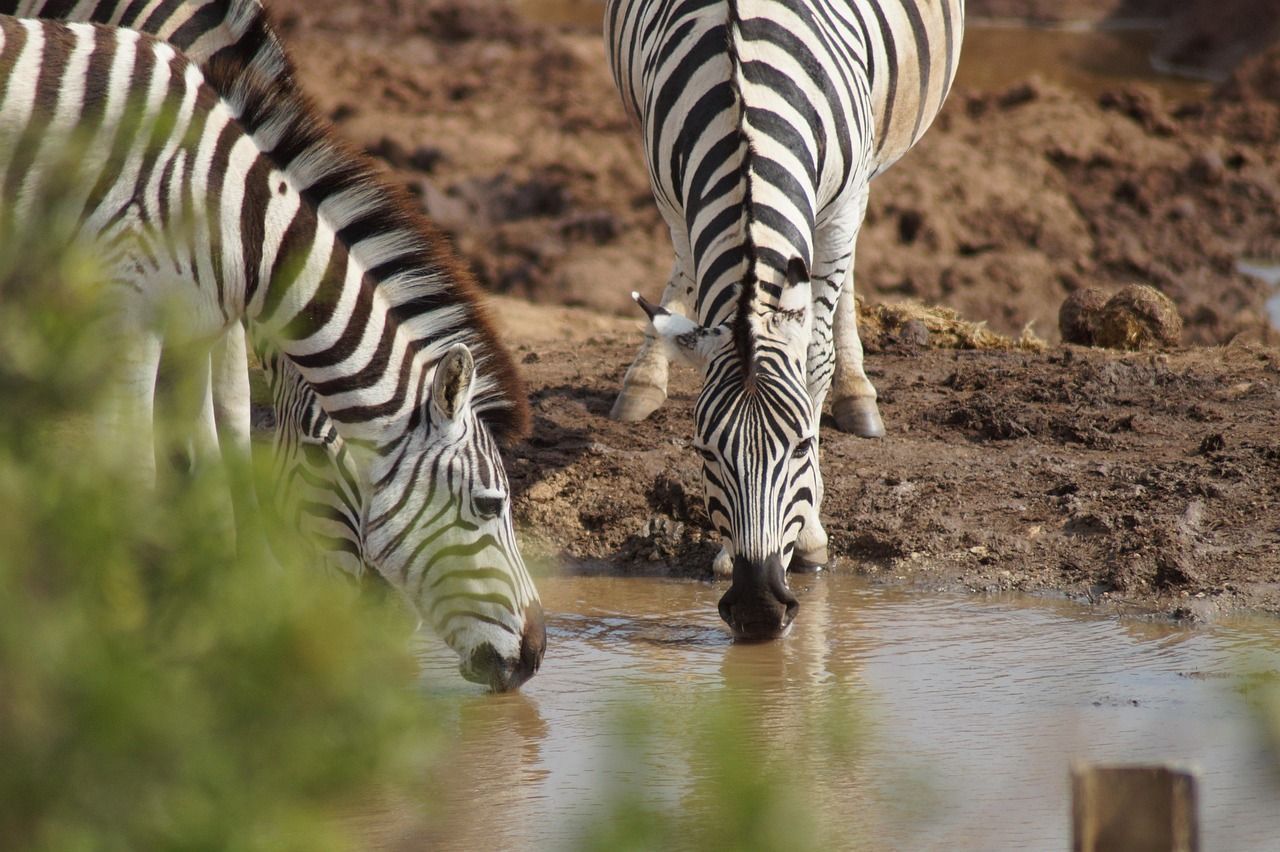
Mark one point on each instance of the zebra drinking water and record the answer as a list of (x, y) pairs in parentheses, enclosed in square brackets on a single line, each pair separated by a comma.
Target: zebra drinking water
[(763, 122), (386, 328)]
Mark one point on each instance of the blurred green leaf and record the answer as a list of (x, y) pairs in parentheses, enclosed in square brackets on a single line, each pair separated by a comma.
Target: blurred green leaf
[(156, 690)]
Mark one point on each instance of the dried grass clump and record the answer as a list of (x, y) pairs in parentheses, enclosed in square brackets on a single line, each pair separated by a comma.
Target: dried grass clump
[(1137, 317), (881, 325)]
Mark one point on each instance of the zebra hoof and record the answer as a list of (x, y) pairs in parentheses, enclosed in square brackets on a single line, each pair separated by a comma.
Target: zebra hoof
[(810, 561), (637, 403), (722, 566), (858, 416)]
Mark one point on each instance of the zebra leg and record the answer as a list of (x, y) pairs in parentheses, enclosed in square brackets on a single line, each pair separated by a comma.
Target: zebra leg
[(231, 416), (130, 416), (722, 565), (854, 403), (229, 361), (811, 544), (644, 388)]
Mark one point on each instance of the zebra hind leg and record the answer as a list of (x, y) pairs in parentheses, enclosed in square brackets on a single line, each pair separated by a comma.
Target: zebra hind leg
[(854, 397), (811, 547), (644, 388)]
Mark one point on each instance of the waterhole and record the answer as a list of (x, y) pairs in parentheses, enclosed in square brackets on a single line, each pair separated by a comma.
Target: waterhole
[(971, 711), (1267, 271), (996, 56)]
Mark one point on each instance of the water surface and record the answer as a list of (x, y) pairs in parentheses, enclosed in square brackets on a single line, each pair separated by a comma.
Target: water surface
[(974, 709), (996, 56)]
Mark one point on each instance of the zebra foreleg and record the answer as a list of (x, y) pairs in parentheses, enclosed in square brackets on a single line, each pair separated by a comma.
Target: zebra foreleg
[(854, 400), (811, 544), (722, 565), (644, 388)]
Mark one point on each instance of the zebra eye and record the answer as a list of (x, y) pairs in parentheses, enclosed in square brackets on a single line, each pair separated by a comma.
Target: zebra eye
[(706, 454), (489, 506), (802, 448)]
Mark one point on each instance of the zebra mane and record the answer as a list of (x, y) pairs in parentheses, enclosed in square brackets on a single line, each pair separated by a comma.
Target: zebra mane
[(417, 269), (743, 338)]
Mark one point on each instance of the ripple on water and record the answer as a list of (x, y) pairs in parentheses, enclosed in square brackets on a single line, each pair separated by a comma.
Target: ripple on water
[(976, 708)]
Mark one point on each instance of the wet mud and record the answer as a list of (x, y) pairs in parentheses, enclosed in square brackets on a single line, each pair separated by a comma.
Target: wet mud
[(1147, 480)]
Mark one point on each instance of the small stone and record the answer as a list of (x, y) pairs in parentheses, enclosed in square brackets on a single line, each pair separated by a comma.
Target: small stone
[(1207, 167), (540, 492), (1078, 315)]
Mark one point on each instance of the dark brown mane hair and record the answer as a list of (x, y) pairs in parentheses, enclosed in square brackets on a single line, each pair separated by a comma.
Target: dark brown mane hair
[(276, 99)]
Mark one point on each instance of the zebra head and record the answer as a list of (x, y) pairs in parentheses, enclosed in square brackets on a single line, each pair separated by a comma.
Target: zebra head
[(429, 512), (755, 431)]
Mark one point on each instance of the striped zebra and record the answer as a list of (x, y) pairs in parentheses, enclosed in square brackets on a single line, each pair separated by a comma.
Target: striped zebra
[(763, 122), (184, 208), (315, 487)]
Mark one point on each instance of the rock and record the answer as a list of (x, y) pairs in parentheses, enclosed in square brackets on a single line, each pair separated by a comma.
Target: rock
[(1138, 317), (1078, 315), (1207, 167)]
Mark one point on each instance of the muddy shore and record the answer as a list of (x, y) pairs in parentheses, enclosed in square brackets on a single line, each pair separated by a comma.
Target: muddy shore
[(1138, 481), (1146, 480)]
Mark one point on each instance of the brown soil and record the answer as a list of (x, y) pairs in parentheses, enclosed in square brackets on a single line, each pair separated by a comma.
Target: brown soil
[(1148, 480), (1152, 479)]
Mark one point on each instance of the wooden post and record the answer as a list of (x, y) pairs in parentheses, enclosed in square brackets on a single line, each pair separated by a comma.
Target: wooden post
[(1134, 809)]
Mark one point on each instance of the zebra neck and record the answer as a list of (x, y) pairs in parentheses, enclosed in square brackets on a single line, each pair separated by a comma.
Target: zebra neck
[(363, 330)]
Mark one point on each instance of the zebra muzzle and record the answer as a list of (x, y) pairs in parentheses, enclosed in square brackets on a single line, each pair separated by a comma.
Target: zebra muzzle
[(502, 674), (758, 605)]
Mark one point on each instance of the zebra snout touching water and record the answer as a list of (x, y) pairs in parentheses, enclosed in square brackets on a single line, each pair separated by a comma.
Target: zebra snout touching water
[(226, 197), (442, 537), (763, 123)]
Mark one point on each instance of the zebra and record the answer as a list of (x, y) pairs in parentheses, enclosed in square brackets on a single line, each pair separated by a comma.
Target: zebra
[(315, 489), (359, 293), (763, 122)]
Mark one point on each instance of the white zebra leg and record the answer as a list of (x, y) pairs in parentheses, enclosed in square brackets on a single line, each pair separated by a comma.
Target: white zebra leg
[(854, 401), (722, 565), (202, 442), (811, 544), (644, 388), (229, 363), (231, 406), (130, 415)]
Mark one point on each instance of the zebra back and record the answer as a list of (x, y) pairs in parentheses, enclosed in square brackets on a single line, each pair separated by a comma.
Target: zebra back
[(235, 45)]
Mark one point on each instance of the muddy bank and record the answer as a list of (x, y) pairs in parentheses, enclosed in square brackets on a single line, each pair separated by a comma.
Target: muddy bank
[(513, 137), (1143, 480), (1129, 480)]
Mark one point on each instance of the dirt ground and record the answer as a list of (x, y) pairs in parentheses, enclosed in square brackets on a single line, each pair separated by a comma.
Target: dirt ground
[(1149, 480)]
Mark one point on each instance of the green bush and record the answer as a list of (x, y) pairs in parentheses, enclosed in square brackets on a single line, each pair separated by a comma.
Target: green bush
[(156, 690)]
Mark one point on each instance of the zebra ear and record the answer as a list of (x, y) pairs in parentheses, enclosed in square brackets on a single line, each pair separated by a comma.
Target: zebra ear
[(796, 291), (451, 385), (682, 338)]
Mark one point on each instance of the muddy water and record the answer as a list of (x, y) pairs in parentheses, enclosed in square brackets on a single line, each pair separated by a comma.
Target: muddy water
[(1088, 61), (972, 711), (995, 57), (1268, 271)]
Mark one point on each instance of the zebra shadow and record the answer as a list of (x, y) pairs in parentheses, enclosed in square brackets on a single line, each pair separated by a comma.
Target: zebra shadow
[(566, 424)]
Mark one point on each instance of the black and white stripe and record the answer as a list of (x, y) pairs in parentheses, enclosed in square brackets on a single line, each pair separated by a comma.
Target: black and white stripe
[(763, 122), (186, 206)]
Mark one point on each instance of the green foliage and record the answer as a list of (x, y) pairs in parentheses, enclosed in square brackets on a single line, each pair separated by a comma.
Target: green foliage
[(763, 777), (156, 690)]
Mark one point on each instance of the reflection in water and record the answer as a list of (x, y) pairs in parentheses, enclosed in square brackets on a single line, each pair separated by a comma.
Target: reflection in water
[(968, 713), (1268, 271)]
